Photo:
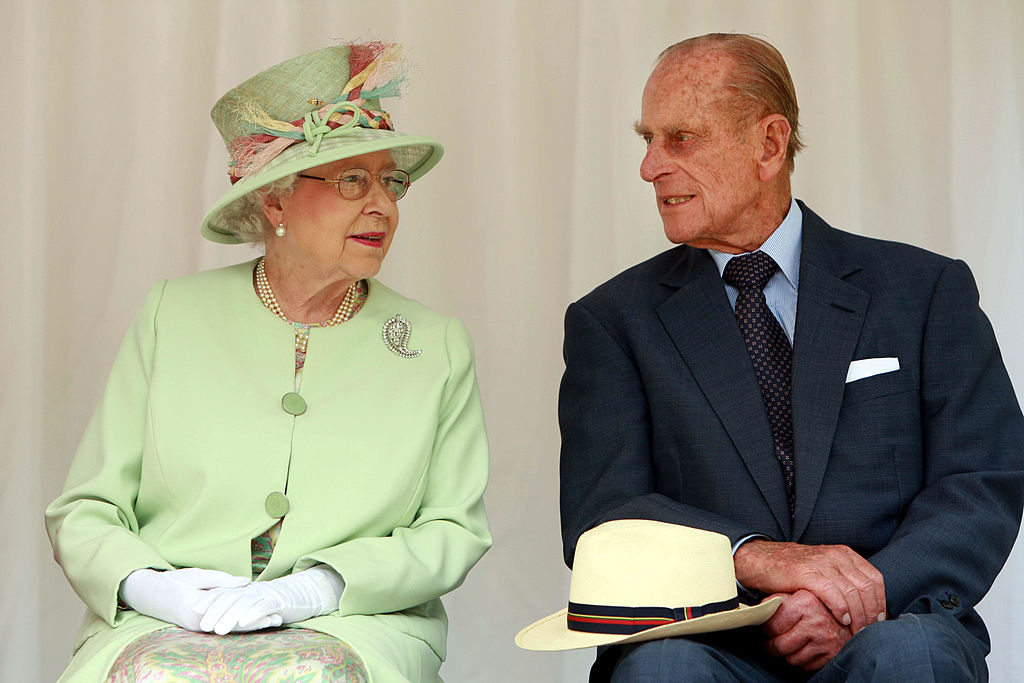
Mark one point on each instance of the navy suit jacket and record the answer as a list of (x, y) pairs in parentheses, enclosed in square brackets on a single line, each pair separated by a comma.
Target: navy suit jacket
[(920, 470)]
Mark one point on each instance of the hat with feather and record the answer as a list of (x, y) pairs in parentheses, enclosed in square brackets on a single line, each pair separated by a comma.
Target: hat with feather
[(312, 110)]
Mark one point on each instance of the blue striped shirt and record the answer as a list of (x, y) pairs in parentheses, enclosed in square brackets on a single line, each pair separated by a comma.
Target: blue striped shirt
[(784, 247)]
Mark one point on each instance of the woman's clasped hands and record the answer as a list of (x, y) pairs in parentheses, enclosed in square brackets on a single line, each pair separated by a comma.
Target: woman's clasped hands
[(217, 602)]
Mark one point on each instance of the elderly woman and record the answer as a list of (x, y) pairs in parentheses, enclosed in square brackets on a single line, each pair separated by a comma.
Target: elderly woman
[(285, 442)]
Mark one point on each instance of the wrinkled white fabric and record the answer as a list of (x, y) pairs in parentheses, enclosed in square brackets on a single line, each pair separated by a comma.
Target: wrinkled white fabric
[(291, 598), (175, 596)]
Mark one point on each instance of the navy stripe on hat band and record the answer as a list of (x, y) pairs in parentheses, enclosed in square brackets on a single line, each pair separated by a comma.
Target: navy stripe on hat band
[(630, 620)]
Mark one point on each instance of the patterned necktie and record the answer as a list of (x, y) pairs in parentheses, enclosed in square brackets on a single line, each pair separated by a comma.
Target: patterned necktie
[(769, 350)]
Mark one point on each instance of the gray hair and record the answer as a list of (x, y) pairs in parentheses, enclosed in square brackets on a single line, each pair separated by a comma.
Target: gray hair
[(244, 217)]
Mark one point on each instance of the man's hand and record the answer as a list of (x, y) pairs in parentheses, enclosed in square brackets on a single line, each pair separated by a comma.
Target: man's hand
[(804, 632), (851, 588)]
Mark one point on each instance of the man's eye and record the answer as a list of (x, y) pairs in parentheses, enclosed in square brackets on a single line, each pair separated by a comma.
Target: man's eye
[(350, 179), (647, 139)]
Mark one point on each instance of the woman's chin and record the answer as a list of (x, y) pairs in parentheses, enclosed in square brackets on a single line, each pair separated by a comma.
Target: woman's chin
[(361, 270)]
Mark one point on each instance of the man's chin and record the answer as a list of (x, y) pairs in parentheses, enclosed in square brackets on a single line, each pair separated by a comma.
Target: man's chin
[(681, 234)]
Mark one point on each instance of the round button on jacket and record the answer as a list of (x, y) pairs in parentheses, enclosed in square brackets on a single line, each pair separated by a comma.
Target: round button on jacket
[(276, 505), (293, 404)]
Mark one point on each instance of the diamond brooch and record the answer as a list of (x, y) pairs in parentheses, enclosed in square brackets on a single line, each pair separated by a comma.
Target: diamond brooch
[(396, 337)]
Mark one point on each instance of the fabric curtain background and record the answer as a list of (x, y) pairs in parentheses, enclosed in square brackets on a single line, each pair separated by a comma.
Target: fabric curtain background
[(912, 112)]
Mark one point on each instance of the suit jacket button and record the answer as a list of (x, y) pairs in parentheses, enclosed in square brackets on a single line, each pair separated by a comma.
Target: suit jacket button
[(276, 505), (293, 404)]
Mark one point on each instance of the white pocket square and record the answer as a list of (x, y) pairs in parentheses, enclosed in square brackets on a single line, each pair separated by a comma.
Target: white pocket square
[(869, 367)]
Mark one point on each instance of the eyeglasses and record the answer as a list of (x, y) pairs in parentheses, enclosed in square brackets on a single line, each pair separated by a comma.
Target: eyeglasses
[(355, 183)]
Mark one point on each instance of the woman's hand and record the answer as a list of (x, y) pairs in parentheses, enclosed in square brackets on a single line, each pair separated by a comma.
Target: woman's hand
[(291, 598), (173, 596)]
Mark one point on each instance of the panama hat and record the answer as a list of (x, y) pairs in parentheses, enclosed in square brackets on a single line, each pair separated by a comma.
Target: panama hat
[(635, 580), (312, 110)]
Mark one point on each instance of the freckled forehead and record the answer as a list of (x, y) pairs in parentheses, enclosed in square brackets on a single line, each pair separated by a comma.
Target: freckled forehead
[(683, 87)]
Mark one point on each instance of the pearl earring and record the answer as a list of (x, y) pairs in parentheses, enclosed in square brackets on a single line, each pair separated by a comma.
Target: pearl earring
[(280, 230)]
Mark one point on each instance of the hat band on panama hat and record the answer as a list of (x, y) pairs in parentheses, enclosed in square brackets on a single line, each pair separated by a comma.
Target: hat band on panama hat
[(629, 620)]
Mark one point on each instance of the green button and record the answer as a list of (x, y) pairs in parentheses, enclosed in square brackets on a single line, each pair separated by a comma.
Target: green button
[(276, 505), (293, 404)]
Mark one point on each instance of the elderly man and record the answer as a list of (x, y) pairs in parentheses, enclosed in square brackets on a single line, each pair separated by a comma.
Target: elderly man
[(835, 405)]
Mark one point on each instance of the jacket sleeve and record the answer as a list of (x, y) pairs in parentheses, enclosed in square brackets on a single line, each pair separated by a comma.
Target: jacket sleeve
[(449, 532), (959, 528), (92, 524), (606, 467)]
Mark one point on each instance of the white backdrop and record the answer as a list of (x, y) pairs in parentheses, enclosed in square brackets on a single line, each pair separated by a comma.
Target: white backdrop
[(912, 112)]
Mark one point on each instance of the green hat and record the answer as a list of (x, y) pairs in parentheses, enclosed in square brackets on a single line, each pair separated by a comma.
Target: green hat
[(312, 110)]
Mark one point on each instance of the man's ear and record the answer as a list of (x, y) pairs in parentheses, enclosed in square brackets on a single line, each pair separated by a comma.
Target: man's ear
[(774, 131)]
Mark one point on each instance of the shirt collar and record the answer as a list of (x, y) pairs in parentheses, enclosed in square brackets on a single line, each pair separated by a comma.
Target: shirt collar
[(783, 245)]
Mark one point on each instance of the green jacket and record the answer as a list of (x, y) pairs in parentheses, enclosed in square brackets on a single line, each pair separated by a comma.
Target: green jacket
[(384, 471)]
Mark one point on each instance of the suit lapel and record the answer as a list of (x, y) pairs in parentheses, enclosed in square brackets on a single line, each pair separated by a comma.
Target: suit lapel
[(830, 313), (703, 328)]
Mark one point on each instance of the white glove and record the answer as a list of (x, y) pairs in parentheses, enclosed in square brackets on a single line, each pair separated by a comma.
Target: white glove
[(291, 598), (172, 596)]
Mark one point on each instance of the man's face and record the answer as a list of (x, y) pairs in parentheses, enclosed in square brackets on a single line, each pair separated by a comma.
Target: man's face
[(705, 174)]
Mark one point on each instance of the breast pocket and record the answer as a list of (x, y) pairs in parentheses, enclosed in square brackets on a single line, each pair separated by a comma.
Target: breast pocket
[(877, 386)]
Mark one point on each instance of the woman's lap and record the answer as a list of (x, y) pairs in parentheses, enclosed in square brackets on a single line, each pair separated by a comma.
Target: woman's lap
[(174, 655)]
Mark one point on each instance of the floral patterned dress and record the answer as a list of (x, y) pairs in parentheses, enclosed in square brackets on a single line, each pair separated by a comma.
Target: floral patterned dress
[(175, 655)]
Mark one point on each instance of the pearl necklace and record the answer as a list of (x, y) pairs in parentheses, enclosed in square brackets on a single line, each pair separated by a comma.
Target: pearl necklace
[(346, 309)]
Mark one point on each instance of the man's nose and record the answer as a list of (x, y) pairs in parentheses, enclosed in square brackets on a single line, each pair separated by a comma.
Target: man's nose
[(655, 162)]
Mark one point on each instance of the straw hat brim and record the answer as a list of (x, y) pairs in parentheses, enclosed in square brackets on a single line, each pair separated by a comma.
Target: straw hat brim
[(551, 633), (421, 155)]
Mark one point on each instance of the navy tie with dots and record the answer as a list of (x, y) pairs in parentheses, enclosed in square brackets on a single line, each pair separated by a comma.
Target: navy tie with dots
[(769, 350)]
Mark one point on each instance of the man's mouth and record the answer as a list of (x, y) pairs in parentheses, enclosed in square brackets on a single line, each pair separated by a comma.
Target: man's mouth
[(682, 199)]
